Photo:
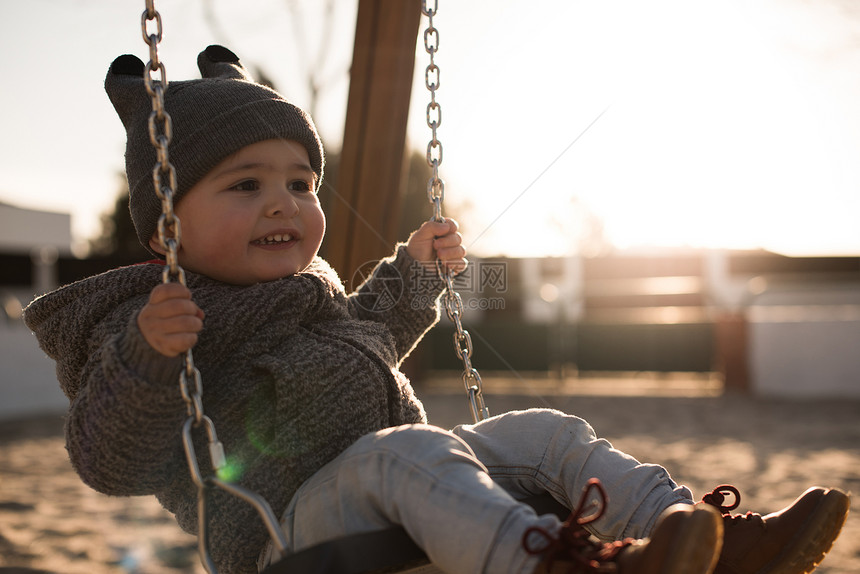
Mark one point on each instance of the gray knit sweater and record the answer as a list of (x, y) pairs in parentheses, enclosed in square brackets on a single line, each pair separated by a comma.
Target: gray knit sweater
[(293, 372)]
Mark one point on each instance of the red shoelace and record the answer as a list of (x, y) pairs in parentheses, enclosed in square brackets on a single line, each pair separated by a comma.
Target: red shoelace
[(574, 543), (717, 499)]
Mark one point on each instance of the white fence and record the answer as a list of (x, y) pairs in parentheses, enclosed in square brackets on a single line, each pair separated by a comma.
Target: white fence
[(804, 341), (28, 382)]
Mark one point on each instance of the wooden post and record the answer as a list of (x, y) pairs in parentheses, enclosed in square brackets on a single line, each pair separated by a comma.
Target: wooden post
[(364, 213), (732, 344)]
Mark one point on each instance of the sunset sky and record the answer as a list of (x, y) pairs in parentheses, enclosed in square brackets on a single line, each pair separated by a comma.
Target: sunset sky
[(674, 123)]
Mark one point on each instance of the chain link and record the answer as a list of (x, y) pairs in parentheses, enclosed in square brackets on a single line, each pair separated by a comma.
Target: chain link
[(436, 196), (169, 230), (432, 79), (169, 237)]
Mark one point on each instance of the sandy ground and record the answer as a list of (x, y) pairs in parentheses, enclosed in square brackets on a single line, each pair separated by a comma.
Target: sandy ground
[(771, 450)]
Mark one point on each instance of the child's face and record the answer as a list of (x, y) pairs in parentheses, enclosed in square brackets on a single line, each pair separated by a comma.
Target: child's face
[(255, 217)]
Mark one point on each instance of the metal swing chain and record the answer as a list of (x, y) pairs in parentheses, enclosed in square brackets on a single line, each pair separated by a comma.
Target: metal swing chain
[(436, 195), (169, 237)]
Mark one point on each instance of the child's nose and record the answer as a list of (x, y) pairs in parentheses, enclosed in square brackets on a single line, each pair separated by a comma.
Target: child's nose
[(283, 204)]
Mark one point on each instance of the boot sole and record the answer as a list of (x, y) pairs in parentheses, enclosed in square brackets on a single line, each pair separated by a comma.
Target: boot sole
[(699, 540), (819, 532)]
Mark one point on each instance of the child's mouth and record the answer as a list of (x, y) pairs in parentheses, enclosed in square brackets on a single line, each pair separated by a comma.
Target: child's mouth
[(276, 239)]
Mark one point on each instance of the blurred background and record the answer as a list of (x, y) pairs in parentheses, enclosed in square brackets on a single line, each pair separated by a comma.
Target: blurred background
[(660, 187), (660, 202)]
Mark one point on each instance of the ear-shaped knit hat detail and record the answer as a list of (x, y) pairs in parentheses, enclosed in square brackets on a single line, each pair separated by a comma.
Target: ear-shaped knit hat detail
[(212, 118), (219, 62)]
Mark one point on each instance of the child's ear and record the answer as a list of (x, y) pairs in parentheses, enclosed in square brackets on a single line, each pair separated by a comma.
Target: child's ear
[(155, 244)]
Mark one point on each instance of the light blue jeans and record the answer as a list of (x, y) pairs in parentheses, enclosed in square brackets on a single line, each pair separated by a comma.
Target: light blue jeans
[(456, 492)]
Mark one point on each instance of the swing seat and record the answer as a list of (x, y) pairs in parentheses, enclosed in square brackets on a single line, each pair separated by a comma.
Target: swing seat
[(386, 551)]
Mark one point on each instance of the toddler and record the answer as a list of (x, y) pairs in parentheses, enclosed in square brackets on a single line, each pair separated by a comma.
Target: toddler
[(302, 380)]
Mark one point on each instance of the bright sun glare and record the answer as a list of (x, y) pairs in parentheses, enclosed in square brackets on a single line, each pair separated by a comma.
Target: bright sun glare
[(666, 122), (716, 133)]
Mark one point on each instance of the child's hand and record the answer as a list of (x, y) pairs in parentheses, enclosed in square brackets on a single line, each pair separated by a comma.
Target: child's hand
[(434, 239), (170, 320)]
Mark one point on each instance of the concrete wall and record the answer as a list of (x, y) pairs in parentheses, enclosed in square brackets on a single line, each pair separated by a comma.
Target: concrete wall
[(28, 383), (23, 229), (804, 341)]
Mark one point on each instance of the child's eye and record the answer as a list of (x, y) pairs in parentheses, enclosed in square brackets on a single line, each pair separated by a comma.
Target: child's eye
[(247, 185), (301, 186)]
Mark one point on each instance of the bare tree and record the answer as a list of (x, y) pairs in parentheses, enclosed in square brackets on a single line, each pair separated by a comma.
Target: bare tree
[(118, 237), (314, 72)]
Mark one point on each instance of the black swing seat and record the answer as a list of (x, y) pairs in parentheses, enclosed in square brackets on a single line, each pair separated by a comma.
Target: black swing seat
[(386, 551)]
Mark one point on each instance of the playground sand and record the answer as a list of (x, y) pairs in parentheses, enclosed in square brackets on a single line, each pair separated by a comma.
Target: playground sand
[(772, 450)]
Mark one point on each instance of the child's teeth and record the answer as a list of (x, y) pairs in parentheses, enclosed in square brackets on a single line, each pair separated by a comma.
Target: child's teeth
[(277, 238)]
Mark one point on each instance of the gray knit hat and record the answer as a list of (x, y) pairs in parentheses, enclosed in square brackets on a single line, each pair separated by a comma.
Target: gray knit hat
[(213, 117)]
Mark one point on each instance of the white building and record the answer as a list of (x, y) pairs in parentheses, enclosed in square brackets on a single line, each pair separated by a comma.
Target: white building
[(801, 325), (28, 383), (22, 230)]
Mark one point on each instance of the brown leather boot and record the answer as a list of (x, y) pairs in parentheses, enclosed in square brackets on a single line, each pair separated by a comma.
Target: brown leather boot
[(686, 540), (791, 541)]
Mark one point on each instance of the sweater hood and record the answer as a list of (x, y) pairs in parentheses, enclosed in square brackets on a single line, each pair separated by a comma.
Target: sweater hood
[(72, 322)]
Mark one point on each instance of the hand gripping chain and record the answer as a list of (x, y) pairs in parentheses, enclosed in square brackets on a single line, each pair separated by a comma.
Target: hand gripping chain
[(169, 236), (436, 195)]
